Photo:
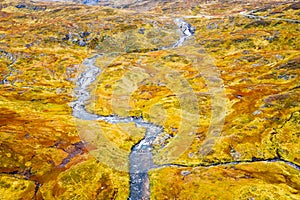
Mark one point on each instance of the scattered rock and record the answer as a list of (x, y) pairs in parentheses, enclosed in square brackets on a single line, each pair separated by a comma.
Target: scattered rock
[(257, 112), (84, 34), (212, 26), (29, 45), (239, 96), (271, 38), (141, 30), (235, 154), (31, 7), (257, 64), (279, 57), (21, 6), (291, 64), (67, 37), (251, 58), (100, 181), (286, 76), (81, 43), (258, 23), (246, 52)]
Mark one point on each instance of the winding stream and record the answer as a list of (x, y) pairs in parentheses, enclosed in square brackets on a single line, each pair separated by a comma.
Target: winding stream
[(140, 158)]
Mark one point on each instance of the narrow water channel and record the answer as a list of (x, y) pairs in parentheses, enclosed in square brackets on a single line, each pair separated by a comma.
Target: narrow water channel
[(140, 158)]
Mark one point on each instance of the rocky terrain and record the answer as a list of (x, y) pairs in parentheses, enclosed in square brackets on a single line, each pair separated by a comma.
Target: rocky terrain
[(205, 94)]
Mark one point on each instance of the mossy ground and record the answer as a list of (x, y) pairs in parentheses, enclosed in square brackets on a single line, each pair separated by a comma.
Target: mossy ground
[(42, 46)]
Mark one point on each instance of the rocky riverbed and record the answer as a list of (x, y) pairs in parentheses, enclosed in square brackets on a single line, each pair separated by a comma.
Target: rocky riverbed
[(102, 103)]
